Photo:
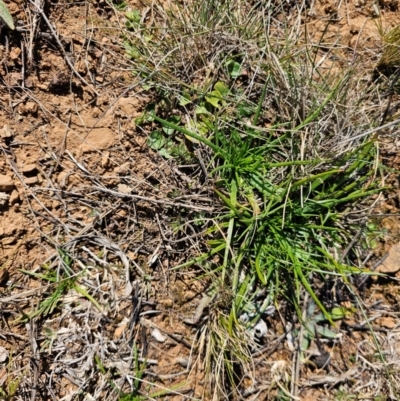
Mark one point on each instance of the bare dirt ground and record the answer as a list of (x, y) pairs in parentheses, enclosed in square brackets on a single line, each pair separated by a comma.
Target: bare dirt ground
[(77, 181)]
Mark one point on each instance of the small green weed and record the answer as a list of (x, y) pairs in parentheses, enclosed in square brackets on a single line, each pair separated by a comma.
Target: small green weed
[(315, 321), (62, 282), (9, 389), (11, 382), (139, 372), (373, 235)]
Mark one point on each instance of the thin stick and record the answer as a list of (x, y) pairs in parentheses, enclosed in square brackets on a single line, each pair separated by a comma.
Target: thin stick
[(371, 131), (23, 50)]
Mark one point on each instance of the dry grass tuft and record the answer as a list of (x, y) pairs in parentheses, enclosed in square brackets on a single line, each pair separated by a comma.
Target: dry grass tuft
[(391, 49)]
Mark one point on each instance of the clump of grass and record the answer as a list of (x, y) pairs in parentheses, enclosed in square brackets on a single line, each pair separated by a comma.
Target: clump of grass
[(60, 282), (273, 124), (282, 224), (391, 49), (188, 46)]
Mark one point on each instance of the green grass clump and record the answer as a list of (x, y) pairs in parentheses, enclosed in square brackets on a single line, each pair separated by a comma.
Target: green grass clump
[(273, 122), (281, 225)]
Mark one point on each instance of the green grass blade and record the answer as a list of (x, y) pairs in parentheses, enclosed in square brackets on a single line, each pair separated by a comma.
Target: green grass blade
[(193, 135), (6, 16)]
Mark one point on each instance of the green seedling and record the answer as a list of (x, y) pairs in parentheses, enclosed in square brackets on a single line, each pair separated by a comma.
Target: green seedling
[(139, 373), (160, 143), (314, 322), (50, 335), (60, 285), (10, 385), (373, 235), (217, 98), (134, 19), (234, 68)]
